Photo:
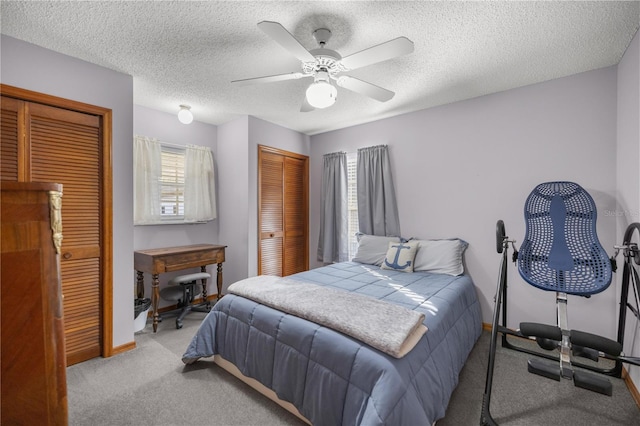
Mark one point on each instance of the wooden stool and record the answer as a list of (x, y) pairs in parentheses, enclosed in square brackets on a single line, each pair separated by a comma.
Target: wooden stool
[(183, 289)]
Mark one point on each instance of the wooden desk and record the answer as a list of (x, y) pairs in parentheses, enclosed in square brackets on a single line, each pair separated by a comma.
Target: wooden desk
[(158, 261)]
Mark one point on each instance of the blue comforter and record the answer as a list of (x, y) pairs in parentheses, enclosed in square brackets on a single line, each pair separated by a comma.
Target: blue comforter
[(333, 379)]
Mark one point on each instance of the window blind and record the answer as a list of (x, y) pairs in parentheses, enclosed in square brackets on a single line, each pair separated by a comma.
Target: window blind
[(352, 203), (172, 182)]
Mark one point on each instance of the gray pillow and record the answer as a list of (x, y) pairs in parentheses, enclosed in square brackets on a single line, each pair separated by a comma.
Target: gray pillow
[(440, 256), (373, 248)]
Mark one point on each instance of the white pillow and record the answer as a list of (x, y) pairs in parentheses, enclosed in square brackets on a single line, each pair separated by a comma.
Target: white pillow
[(440, 256), (373, 248), (400, 256)]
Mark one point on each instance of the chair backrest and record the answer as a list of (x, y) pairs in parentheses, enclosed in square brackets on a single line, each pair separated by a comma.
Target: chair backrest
[(561, 251)]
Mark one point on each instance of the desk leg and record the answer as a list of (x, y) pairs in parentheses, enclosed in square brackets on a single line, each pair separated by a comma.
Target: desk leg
[(140, 285), (205, 298), (219, 281), (155, 297)]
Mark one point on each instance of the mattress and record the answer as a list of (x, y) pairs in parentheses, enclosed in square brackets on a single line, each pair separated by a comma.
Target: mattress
[(334, 379)]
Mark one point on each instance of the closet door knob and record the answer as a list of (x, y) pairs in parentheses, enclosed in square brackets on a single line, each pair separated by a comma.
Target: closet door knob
[(67, 255)]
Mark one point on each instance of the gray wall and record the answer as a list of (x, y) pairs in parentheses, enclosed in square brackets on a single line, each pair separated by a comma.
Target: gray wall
[(264, 133), (166, 128), (459, 168), (628, 172), (238, 158), (31, 67), (233, 197)]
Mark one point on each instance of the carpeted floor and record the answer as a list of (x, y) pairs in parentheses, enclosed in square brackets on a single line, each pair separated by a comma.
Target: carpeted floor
[(150, 386), (519, 398)]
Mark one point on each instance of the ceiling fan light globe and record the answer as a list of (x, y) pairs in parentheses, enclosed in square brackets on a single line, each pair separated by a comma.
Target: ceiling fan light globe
[(321, 94)]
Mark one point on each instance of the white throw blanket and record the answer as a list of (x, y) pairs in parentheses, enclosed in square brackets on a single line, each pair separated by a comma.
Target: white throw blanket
[(390, 328)]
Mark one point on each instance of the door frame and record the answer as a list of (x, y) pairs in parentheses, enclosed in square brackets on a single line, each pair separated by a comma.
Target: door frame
[(106, 198)]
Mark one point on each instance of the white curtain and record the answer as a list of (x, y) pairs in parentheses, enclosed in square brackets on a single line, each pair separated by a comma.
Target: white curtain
[(147, 167), (199, 185), (377, 208), (333, 243)]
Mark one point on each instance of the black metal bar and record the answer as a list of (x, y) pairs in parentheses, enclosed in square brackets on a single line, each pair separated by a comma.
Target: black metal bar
[(624, 294), (485, 416)]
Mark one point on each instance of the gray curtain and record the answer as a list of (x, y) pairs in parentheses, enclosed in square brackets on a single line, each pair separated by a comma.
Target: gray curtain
[(377, 208), (333, 242)]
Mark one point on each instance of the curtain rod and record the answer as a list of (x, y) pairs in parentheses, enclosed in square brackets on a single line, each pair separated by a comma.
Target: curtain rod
[(174, 145), (356, 151)]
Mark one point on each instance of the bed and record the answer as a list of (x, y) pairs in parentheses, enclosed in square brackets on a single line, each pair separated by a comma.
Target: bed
[(329, 378)]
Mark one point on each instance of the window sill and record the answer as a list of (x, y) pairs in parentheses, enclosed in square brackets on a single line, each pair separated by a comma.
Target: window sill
[(172, 222)]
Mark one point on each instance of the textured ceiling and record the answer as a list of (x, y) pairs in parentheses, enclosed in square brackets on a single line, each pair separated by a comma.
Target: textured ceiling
[(188, 52)]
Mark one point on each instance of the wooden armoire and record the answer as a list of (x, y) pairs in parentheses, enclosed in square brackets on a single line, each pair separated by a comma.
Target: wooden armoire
[(283, 212), (33, 367), (48, 139)]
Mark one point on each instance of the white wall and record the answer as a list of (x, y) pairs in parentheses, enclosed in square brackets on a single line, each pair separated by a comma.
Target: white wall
[(235, 144), (233, 206), (628, 174), (461, 167), (458, 169), (264, 133), (238, 157), (166, 128), (31, 67)]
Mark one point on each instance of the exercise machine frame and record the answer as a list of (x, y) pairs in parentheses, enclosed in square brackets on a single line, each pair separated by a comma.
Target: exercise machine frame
[(630, 281)]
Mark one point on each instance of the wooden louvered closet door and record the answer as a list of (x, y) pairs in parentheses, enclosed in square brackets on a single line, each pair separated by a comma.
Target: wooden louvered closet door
[(283, 212), (53, 144), (65, 149), (10, 116)]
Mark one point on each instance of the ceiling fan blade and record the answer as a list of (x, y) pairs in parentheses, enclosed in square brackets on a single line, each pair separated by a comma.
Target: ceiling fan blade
[(364, 88), (306, 106), (388, 50), (284, 38), (270, 78)]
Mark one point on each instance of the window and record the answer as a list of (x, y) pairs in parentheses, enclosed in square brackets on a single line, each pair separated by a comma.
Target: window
[(172, 183), (352, 201)]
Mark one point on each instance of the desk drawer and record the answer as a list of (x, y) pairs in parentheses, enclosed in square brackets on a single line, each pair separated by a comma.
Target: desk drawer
[(181, 261)]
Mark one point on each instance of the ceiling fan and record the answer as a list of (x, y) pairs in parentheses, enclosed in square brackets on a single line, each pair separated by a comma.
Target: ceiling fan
[(325, 65)]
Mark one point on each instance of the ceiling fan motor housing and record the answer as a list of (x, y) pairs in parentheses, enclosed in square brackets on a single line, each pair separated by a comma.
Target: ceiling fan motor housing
[(326, 60)]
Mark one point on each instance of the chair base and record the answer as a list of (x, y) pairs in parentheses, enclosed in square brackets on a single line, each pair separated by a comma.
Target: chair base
[(188, 309), (183, 290), (182, 311)]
